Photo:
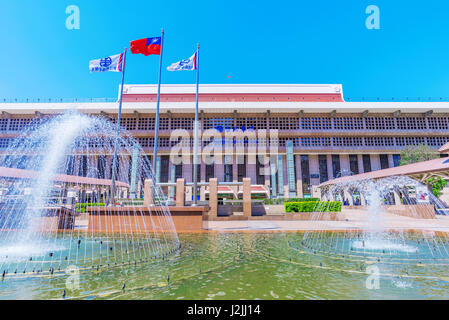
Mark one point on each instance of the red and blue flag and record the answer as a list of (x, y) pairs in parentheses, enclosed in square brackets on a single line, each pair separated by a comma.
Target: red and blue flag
[(146, 46)]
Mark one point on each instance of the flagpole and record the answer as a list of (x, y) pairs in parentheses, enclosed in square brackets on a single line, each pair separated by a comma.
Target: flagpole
[(195, 138), (117, 134), (156, 124)]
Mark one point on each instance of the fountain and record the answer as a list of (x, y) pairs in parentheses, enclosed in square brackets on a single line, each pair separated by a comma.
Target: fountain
[(56, 210), (377, 234)]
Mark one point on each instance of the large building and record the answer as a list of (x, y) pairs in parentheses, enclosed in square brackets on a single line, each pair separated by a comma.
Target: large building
[(320, 136)]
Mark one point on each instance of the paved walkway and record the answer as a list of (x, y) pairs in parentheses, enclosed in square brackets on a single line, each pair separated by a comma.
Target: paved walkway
[(354, 220)]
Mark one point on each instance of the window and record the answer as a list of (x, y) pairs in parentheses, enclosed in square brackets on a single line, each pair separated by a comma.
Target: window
[(128, 123), (4, 143), (305, 174), (438, 123), (228, 172), (353, 164), (165, 164), (83, 166), (378, 123), (348, 123), (182, 123), (241, 169), (336, 165), (101, 165), (3, 124), (322, 161), (216, 123), (18, 124), (396, 160), (209, 171), (260, 170), (383, 161), (178, 172), (366, 163), (316, 123)]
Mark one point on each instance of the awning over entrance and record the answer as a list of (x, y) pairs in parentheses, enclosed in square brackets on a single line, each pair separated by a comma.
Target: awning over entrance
[(419, 171), (29, 174)]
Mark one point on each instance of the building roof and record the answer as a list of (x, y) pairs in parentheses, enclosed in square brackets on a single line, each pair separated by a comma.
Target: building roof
[(419, 171), (225, 98), (444, 148), (234, 92)]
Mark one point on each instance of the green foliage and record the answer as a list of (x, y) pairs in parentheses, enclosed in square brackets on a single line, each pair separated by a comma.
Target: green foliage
[(313, 206), (81, 207), (301, 199), (438, 185), (284, 200), (421, 152)]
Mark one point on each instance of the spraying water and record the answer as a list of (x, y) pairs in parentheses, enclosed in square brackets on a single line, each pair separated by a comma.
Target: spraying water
[(57, 209)]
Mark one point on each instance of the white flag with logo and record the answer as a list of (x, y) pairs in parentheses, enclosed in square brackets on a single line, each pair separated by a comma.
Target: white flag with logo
[(186, 64), (111, 63)]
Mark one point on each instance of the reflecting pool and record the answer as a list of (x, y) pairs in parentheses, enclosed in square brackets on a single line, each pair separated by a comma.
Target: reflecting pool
[(252, 266)]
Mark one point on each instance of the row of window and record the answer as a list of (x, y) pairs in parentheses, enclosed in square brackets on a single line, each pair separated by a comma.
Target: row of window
[(257, 123), (281, 142)]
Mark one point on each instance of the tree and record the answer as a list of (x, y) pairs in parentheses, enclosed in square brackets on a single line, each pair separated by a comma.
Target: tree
[(421, 152), (437, 185)]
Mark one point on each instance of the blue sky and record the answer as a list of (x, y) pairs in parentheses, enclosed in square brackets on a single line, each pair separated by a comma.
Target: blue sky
[(251, 41)]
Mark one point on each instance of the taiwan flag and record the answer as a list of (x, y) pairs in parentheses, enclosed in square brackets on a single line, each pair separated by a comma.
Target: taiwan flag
[(146, 46)]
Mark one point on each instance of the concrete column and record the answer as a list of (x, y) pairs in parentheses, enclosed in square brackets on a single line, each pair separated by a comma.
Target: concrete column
[(298, 176), (180, 192), (360, 161), (285, 173), (314, 168), (251, 172), (235, 172), (187, 171), (267, 185), (344, 163), (125, 168), (247, 197), (213, 197), (286, 193), (188, 193), (219, 171), (299, 193), (390, 161), (203, 179), (148, 193), (375, 162)]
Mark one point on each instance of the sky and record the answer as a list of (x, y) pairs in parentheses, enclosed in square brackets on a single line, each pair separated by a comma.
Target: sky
[(242, 41)]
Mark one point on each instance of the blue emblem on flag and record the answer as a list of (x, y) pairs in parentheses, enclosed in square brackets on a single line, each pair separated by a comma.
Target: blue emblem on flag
[(111, 63), (185, 64), (106, 62)]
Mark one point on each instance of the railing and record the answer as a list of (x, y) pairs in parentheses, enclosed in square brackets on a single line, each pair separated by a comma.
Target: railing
[(56, 100)]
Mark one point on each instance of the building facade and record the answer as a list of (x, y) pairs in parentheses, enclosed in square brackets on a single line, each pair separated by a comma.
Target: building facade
[(318, 135)]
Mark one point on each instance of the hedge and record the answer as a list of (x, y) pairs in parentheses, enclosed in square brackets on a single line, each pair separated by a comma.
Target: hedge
[(313, 206), (283, 200), (81, 207), (301, 199)]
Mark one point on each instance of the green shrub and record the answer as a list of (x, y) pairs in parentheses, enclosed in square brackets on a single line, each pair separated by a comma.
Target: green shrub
[(301, 199), (313, 206), (81, 207)]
